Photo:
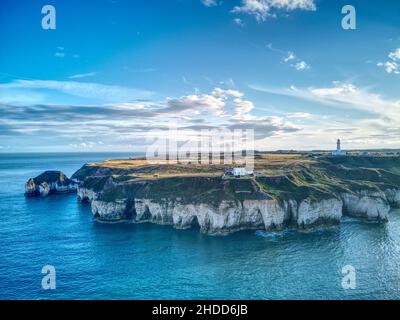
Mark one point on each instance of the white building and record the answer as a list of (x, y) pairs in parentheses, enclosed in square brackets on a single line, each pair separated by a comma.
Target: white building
[(338, 151), (240, 172)]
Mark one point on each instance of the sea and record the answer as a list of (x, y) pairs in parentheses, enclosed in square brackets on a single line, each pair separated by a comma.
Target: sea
[(92, 260)]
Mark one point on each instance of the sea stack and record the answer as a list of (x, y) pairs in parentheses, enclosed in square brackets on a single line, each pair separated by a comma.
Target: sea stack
[(49, 182)]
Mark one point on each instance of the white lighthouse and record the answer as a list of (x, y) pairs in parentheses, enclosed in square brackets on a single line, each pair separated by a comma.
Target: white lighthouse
[(338, 151)]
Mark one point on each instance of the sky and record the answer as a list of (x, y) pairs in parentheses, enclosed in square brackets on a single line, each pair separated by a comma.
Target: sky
[(114, 72)]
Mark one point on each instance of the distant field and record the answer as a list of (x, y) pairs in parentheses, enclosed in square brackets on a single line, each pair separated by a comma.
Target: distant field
[(281, 176), (265, 164)]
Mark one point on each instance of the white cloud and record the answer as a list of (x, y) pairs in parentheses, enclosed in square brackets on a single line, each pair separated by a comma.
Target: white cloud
[(262, 9), (301, 65), (299, 115), (83, 75), (340, 89), (296, 63), (215, 103), (239, 22), (395, 55), (290, 56), (393, 64), (242, 108), (391, 67), (264, 126), (196, 104), (258, 8), (222, 93), (209, 3)]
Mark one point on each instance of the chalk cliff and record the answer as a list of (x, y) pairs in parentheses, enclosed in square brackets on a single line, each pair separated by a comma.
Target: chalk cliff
[(366, 204), (227, 217), (233, 211)]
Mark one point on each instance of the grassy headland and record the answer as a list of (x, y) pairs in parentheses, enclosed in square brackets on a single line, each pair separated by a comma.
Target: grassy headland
[(280, 176)]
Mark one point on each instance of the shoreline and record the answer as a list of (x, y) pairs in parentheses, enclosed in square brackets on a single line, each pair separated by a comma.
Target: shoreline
[(285, 191)]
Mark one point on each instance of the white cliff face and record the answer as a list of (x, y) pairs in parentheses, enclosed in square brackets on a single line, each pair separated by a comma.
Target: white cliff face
[(274, 214), (86, 194), (230, 216), (110, 211), (368, 204), (311, 212)]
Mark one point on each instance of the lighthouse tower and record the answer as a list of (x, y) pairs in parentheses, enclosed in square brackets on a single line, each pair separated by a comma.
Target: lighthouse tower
[(338, 151), (338, 145)]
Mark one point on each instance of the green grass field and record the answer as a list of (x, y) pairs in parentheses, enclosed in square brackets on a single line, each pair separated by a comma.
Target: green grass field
[(279, 176)]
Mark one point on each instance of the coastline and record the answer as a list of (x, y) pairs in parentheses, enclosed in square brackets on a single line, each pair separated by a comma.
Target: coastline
[(310, 194)]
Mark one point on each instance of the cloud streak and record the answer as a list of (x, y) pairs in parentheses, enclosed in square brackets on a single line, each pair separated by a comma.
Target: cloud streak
[(80, 89), (343, 96), (263, 9), (83, 75), (376, 115), (132, 121)]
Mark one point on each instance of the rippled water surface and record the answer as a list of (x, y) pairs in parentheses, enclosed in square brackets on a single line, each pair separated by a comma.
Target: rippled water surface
[(111, 261)]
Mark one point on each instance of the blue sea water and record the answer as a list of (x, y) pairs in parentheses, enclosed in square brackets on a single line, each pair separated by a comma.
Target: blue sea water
[(127, 261)]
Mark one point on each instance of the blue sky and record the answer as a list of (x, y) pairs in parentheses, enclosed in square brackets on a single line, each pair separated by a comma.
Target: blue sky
[(115, 70)]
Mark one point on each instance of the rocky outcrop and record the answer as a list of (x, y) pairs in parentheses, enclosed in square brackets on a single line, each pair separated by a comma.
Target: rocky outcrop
[(85, 194), (50, 182)]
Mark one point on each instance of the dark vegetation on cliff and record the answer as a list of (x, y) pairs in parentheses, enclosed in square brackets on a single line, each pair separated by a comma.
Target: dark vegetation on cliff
[(280, 176), (52, 177)]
